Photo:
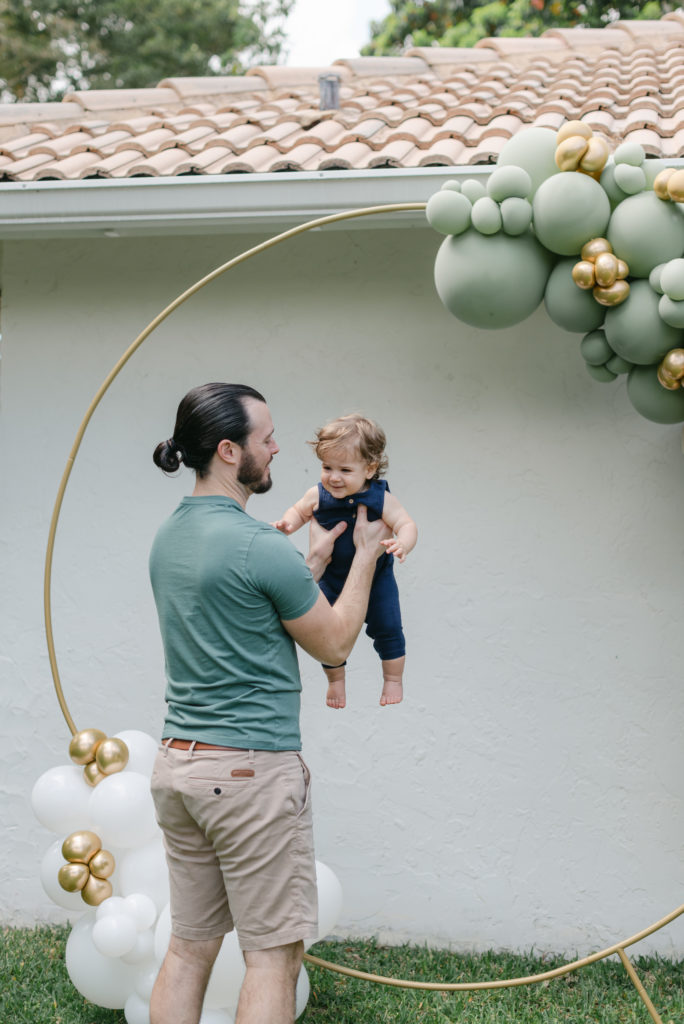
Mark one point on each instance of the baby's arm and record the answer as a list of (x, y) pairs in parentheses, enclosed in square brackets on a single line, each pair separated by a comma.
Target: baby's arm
[(402, 526), (299, 513)]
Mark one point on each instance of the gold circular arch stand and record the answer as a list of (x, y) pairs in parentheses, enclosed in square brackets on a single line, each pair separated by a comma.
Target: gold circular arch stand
[(619, 947)]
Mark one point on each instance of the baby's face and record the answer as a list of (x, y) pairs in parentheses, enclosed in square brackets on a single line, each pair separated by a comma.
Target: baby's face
[(344, 472)]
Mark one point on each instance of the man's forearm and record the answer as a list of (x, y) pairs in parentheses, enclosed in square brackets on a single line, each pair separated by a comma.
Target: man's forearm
[(351, 606)]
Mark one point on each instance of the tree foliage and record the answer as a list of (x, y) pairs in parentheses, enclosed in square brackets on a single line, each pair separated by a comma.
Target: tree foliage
[(49, 47), (463, 22)]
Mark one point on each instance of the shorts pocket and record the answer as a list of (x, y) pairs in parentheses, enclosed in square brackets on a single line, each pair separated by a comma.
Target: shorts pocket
[(301, 795)]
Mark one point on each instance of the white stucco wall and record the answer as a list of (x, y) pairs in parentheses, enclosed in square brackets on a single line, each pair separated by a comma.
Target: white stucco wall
[(528, 792)]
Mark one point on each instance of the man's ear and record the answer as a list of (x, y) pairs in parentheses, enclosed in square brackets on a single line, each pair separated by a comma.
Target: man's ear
[(227, 451)]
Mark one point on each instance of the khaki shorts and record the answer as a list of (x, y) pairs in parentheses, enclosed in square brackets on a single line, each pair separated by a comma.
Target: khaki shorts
[(239, 844)]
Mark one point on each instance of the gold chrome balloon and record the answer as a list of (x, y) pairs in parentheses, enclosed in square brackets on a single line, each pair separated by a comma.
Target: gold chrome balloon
[(595, 157), (96, 890), (612, 296), (92, 774), (102, 865), (83, 745), (111, 756), (81, 846), (592, 248), (623, 269), (570, 152), (571, 128), (605, 269), (675, 186), (583, 274), (660, 182), (72, 877), (667, 380), (671, 369)]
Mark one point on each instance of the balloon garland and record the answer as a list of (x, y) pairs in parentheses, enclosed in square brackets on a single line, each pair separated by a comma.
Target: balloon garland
[(509, 245)]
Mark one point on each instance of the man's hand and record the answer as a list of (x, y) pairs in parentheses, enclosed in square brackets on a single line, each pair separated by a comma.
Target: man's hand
[(369, 537), (321, 543)]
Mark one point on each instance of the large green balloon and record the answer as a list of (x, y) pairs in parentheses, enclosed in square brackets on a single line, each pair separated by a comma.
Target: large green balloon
[(651, 399), (491, 280), (635, 330), (645, 231), (568, 210), (569, 306), (533, 149)]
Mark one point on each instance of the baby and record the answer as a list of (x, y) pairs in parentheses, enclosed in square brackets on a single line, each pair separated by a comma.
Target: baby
[(352, 454)]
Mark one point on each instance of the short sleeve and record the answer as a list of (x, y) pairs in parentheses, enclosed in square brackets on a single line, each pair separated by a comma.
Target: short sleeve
[(278, 569)]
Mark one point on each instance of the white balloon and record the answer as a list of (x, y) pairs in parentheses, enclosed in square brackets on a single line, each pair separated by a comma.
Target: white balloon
[(136, 1010), (330, 899), (115, 934), (112, 905), (302, 992), (162, 934), (51, 863), (102, 980), (142, 909), (144, 981), (142, 750), (227, 975), (143, 950), (122, 808), (60, 799), (144, 871), (216, 1017)]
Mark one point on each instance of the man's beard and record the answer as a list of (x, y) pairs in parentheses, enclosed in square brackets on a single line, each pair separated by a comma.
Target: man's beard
[(249, 476)]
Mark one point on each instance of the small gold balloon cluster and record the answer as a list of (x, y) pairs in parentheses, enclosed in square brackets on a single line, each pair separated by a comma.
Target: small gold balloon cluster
[(601, 270), (671, 370), (99, 754), (578, 149), (88, 867), (669, 184)]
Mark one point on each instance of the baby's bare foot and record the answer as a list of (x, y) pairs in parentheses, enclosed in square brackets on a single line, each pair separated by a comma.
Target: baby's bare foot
[(392, 692), (336, 696)]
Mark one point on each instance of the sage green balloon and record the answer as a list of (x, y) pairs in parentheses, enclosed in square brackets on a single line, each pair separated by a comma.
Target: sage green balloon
[(672, 279), (595, 348), (473, 189), (629, 153), (486, 216), (645, 231), (448, 212), (533, 149), (569, 306), (600, 373), (671, 311), (610, 186), (569, 210), (618, 365), (635, 329), (491, 281), (630, 179), (516, 215), (651, 399), (453, 184), (508, 182), (654, 278)]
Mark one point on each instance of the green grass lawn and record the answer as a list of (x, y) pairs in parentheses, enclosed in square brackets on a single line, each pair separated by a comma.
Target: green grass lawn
[(35, 988)]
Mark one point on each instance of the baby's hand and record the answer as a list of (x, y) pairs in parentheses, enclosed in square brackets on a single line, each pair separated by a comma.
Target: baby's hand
[(283, 526), (393, 546)]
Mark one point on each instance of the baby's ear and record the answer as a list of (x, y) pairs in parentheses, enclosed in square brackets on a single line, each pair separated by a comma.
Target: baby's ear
[(371, 470)]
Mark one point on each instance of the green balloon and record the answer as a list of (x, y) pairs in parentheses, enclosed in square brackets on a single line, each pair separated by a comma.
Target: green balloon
[(452, 184), (486, 216), (645, 231), (671, 311), (448, 212), (569, 306), (600, 373), (610, 186), (672, 279), (595, 349), (509, 181), (654, 278), (491, 281), (630, 179), (629, 153), (635, 330), (618, 365), (473, 189), (651, 399), (516, 215), (533, 149), (569, 210)]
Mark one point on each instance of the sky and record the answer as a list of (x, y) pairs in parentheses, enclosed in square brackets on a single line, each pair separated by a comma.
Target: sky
[(321, 31)]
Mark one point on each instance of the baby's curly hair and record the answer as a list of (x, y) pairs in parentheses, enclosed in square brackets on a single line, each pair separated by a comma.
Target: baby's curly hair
[(357, 434)]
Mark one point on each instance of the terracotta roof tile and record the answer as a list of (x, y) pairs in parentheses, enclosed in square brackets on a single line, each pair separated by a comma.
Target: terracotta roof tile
[(432, 106)]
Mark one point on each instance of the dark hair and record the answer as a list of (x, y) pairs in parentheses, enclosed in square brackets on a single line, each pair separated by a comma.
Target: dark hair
[(207, 415)]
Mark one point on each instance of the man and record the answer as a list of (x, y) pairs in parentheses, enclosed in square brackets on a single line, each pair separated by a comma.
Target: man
[(231, 791)]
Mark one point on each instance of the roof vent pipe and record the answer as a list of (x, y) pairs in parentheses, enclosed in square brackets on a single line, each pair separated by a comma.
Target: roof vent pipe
[(329, 88)]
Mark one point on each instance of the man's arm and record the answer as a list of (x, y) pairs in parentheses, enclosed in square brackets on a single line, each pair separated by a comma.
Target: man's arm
[(328, 632)]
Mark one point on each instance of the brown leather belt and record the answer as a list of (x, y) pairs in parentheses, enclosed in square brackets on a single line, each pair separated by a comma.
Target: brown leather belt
[(186, 744)]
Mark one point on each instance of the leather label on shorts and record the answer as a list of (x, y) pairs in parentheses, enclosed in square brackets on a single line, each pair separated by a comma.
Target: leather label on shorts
[(242, 773)]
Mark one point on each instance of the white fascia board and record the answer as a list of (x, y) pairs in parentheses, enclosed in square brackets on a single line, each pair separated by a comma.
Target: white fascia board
[(212, 203)]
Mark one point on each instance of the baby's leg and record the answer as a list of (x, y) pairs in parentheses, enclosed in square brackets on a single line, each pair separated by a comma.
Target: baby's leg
[(393, 687), (336, 696)]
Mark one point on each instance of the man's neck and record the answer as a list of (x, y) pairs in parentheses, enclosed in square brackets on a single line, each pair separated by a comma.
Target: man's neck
[(226, 487)]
